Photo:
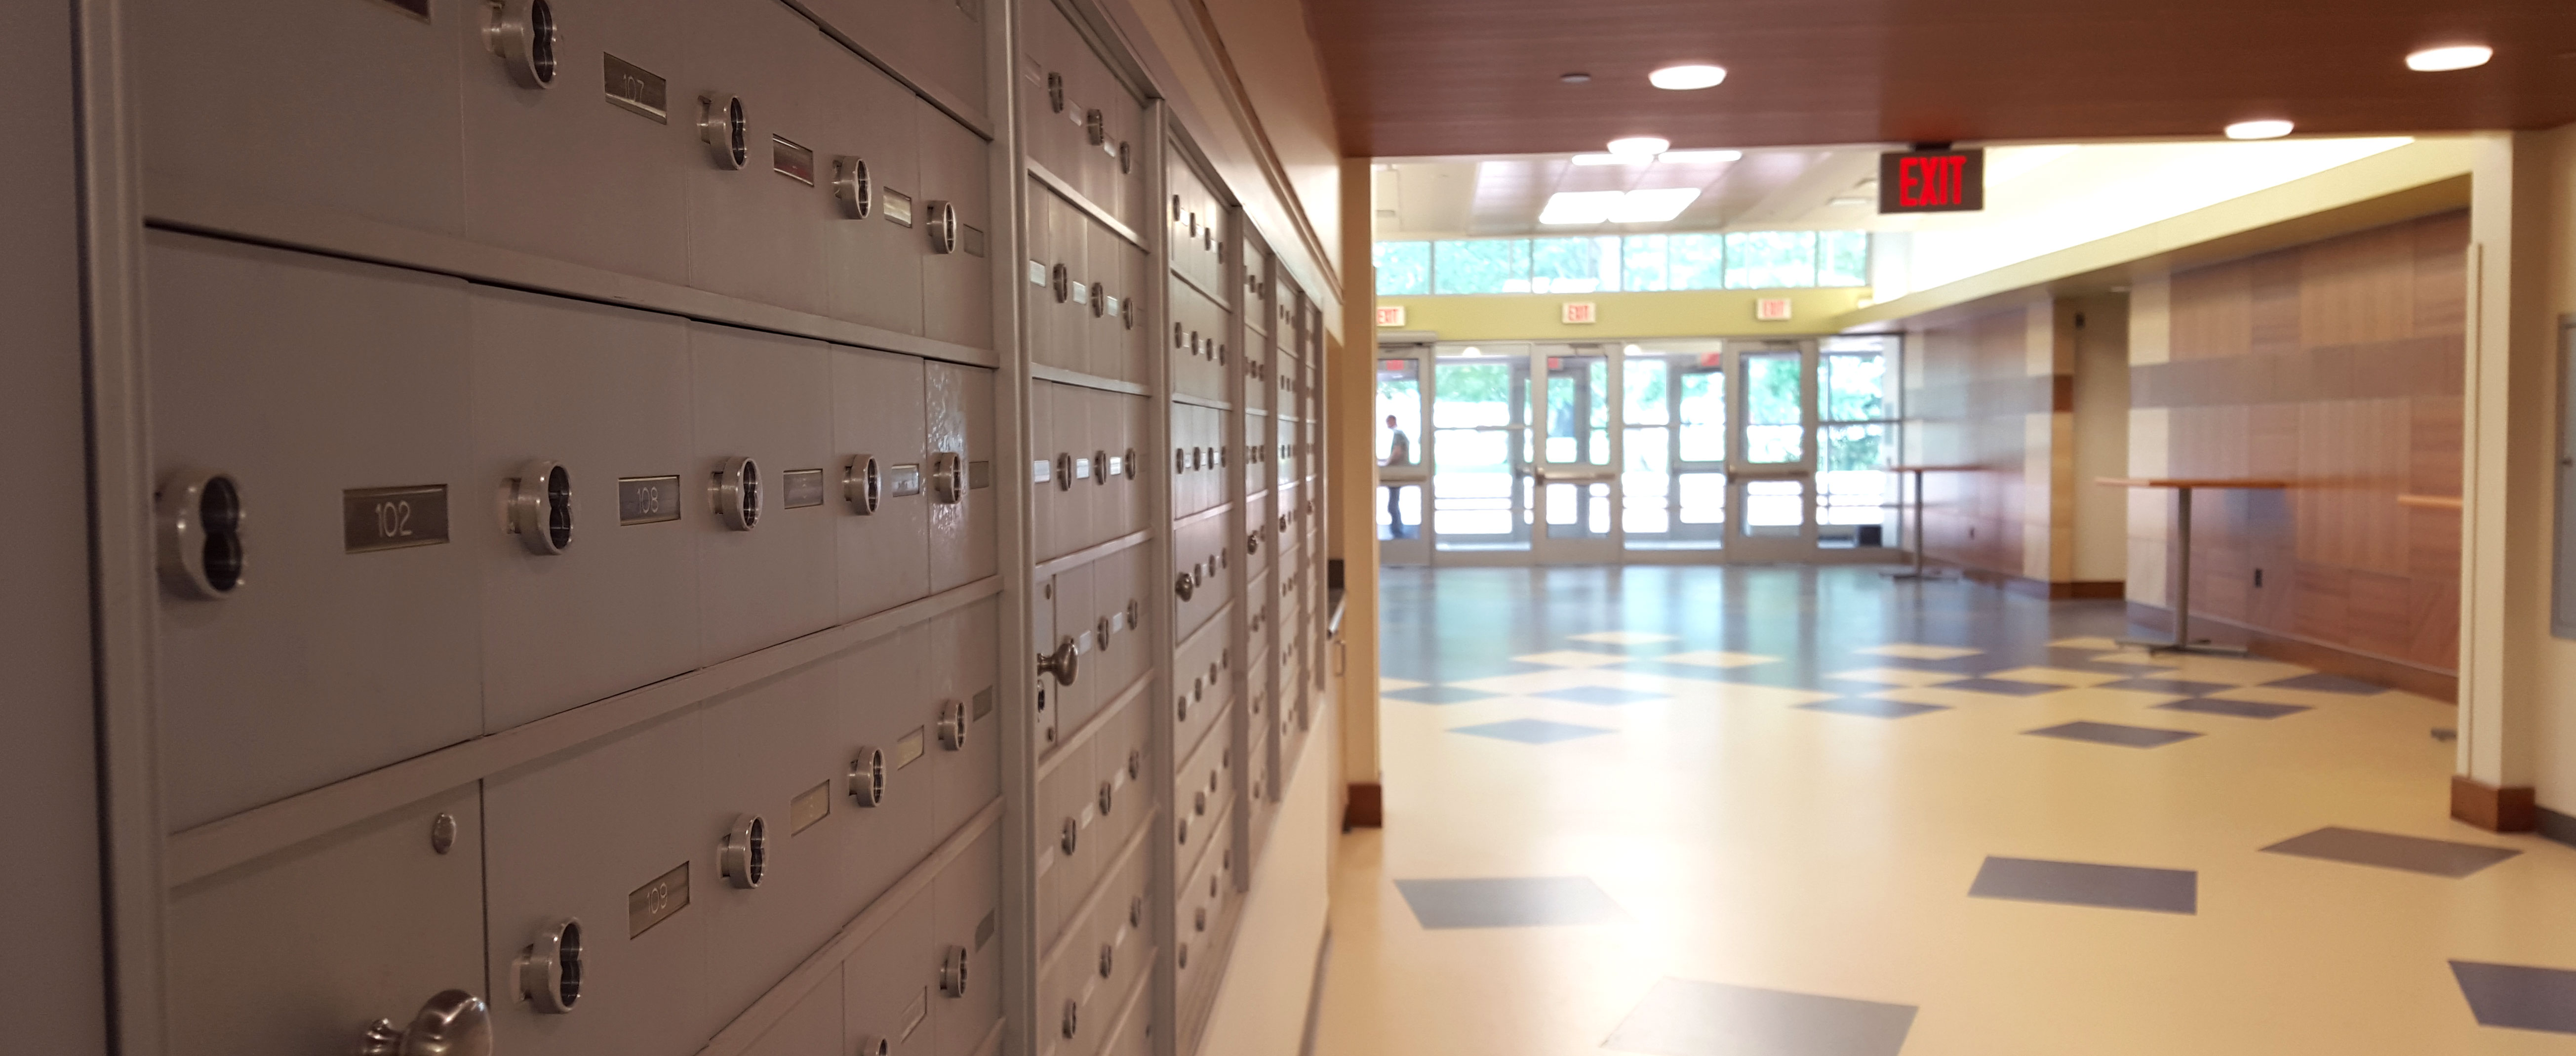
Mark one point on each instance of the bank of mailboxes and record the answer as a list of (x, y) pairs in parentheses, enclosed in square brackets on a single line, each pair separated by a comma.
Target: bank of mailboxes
[(1199, 347), (1089, 621), (1082, 285), (1261, 545), (1078, 119), (1092, 801), (1198, 458), (1087, 467), (1202, 688), (765, 161), (1100, 961), (1199, 227), (1203, 556), (937, 44), (568, 500), (1205, 902)]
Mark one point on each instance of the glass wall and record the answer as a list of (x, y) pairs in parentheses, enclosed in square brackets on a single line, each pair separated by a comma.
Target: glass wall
[(1739, 260), (1856, 437)]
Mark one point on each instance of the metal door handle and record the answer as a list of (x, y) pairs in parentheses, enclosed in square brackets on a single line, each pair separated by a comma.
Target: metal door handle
[(454, 1023), (1064, 663)]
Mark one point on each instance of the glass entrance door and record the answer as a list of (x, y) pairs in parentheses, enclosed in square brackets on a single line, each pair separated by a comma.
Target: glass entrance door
[(1773, 457), (1576, 475), (1404, 474), (1481, 494)]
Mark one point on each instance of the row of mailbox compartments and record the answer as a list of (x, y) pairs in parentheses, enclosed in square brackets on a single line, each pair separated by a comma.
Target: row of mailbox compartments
[(396, 511), (1090, 968), (1199, 230), (699, 858), (1207, 905), (1079, 120), (726, 145), (1095, 796)]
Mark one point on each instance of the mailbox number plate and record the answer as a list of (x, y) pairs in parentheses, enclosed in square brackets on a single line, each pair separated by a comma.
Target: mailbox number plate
[(632, 87), (393, 518), (813, 806), (655, 902), (804, 488), (898, 207), (904, 479), (645, 500)]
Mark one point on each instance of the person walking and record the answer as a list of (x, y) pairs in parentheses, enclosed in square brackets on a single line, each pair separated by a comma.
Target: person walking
[(1399, 452)]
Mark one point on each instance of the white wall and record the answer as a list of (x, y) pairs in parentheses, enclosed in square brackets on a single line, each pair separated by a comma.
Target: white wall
[(1261, 1007), (2101, 439)]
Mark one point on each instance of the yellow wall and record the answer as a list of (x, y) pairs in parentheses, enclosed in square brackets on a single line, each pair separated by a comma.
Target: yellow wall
[(1625, 316)]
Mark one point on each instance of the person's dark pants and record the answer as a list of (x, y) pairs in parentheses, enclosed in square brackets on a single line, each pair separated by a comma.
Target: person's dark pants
[(1395, 513)]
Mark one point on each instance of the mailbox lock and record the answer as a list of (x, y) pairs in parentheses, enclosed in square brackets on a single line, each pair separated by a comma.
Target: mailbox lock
[(1181, 708), (1130, 468), (871, 1045), (1133, 622), (541, 507), (522, 33), (1071, 838), (1252, 543), (1055, 92), (1099, 299), (722, 128), (1135, 764), (737, 493), (1061, 282), (1182, 829), (1108, 959), (1100, 468), (1198, 918), (1136, 912), (851, 185), (1100, 635), (942, 227), (200, 517), (1064, 663), (1063, 471), (1186, 586), (1183, 956), (454, 1023), (868, 777), (947, 477), (952, 972), (1071, 1008), (1125, 158), (1108, 794), (442, 833), (550, 968), (1095, 126), (862, 484), (744, 856), (952, 725), (1198, 804)]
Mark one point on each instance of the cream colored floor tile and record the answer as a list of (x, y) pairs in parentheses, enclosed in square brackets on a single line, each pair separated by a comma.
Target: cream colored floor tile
[(1534, 681), (1624, 637), (2137, 658), (2307, 697), (2056, 676), (1574, 658), (1954, 698), (1716, 659), (2107, 645), (1390, 685), (1914, 651), (1897, 676)]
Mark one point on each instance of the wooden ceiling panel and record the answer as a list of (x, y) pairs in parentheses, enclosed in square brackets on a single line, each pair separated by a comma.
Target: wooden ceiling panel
[(1426, 78)]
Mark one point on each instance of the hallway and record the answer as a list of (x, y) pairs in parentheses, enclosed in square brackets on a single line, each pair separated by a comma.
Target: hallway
[(1792, 811)]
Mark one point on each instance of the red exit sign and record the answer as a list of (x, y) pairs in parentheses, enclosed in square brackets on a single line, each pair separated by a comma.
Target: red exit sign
[(1932, 181)]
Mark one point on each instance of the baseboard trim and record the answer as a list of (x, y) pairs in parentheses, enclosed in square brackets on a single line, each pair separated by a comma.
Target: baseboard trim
[(1364, 807), (1315, 996), (2025, 586), (2556, 827), (2308, 652), (2510, 809)]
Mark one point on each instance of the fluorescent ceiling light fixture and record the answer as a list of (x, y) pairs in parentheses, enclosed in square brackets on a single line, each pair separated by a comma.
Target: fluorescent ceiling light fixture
[(1573, 208), (2453, 57), (1640, 146), (1687, 78), (1653, 207), (1700, 157), (2268, 128), (1605, 159), (1852, 200)]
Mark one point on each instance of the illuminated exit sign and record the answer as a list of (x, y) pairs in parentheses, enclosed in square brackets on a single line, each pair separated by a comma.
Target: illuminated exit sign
[(1390, 315), (1932, 181)]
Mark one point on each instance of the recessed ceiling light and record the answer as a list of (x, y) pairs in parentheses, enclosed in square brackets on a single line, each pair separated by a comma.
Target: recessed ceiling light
[(1699, 157), (1852, 200), (1653, 206), (1577, 77), (2450, 57), (1687, 78), (1606, 159), (1580, 207), (1640, 146), (2268, 128)]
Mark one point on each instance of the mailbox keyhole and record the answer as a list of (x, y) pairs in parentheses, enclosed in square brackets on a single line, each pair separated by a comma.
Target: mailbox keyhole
[(568, 960), (219, 510)]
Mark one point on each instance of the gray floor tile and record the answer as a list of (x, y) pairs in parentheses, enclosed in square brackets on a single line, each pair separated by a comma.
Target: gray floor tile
[(1681, 1017), (2114, 733), (2323, 683), (1876, 709), (2178, 686), (2243, 709), (1439, 695), (2510, 995), (2087, 884), (1602, 695), (1508, 902), (2003, 686), (1530, 731), (2388, 850)]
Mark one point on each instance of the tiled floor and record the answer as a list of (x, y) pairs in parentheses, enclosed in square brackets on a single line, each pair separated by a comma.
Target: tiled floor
[(1795, 812)]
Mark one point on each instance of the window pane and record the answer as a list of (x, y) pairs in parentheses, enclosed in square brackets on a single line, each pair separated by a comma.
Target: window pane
[(1642, 264), (1647, 393), (1853, 488), (1472, 394), (1645, 480), (1696, 262), (1574, 265), (1855, 387), (1483, 265), (1399, 397), (1703, 498), (1399, 511), (1843, 258), (1403, 269), (1767, 260), (1775, 429), (1704, 416)]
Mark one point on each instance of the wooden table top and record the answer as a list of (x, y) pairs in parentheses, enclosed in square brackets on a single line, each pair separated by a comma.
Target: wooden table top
[(2192, 482), (2430, 502)]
